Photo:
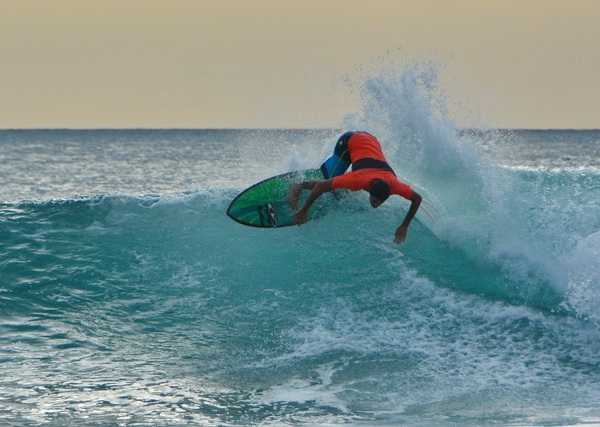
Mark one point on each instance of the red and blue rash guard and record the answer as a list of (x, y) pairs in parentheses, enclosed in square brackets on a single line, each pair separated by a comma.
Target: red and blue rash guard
[(363, 145)]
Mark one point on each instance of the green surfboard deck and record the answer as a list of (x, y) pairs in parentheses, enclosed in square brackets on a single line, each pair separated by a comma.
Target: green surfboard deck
[(266, 205)]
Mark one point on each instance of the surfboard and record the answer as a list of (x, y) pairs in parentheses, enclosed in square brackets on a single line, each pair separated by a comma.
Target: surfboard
[(265, 204)]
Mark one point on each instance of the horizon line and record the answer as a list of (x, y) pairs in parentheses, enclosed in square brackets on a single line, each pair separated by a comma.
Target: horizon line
[(275, 129)]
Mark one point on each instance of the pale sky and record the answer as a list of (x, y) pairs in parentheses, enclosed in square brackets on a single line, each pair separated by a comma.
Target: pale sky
[(291, 63)]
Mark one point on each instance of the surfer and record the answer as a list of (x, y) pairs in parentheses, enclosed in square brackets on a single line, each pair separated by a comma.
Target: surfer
[(370, 172)]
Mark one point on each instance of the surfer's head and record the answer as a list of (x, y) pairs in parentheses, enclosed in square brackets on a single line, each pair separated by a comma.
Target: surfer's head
[(379, 191)]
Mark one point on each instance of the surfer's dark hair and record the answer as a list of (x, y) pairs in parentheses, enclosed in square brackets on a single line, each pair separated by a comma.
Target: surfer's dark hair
[(380, 189)]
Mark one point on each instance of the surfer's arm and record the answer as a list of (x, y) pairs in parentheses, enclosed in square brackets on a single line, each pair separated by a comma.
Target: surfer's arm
[(401, 231), (296, 190), (318, 187)]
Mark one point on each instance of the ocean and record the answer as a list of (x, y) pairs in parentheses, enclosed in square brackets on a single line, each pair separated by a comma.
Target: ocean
[(129, 298)]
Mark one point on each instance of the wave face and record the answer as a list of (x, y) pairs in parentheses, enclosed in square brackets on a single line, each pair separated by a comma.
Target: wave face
[(128, 297)]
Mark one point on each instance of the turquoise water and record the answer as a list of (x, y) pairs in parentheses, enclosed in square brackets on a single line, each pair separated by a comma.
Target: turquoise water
[(128, 297)]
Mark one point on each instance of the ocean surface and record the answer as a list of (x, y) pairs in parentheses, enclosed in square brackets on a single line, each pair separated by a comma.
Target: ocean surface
[(129, 298)]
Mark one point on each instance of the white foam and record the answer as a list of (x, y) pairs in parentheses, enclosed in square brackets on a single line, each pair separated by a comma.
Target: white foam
[(453, 344), (583, 293), (321, 392)]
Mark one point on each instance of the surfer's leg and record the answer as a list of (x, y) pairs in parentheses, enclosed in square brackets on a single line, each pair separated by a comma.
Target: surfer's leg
[(340, 161)]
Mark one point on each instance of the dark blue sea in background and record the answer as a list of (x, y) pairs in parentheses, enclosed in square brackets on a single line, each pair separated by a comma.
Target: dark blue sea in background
[(129, 298)]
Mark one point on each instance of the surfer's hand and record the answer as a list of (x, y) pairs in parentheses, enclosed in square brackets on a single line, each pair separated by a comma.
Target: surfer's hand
[(295, 191), (300, 217), (400, 235)]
